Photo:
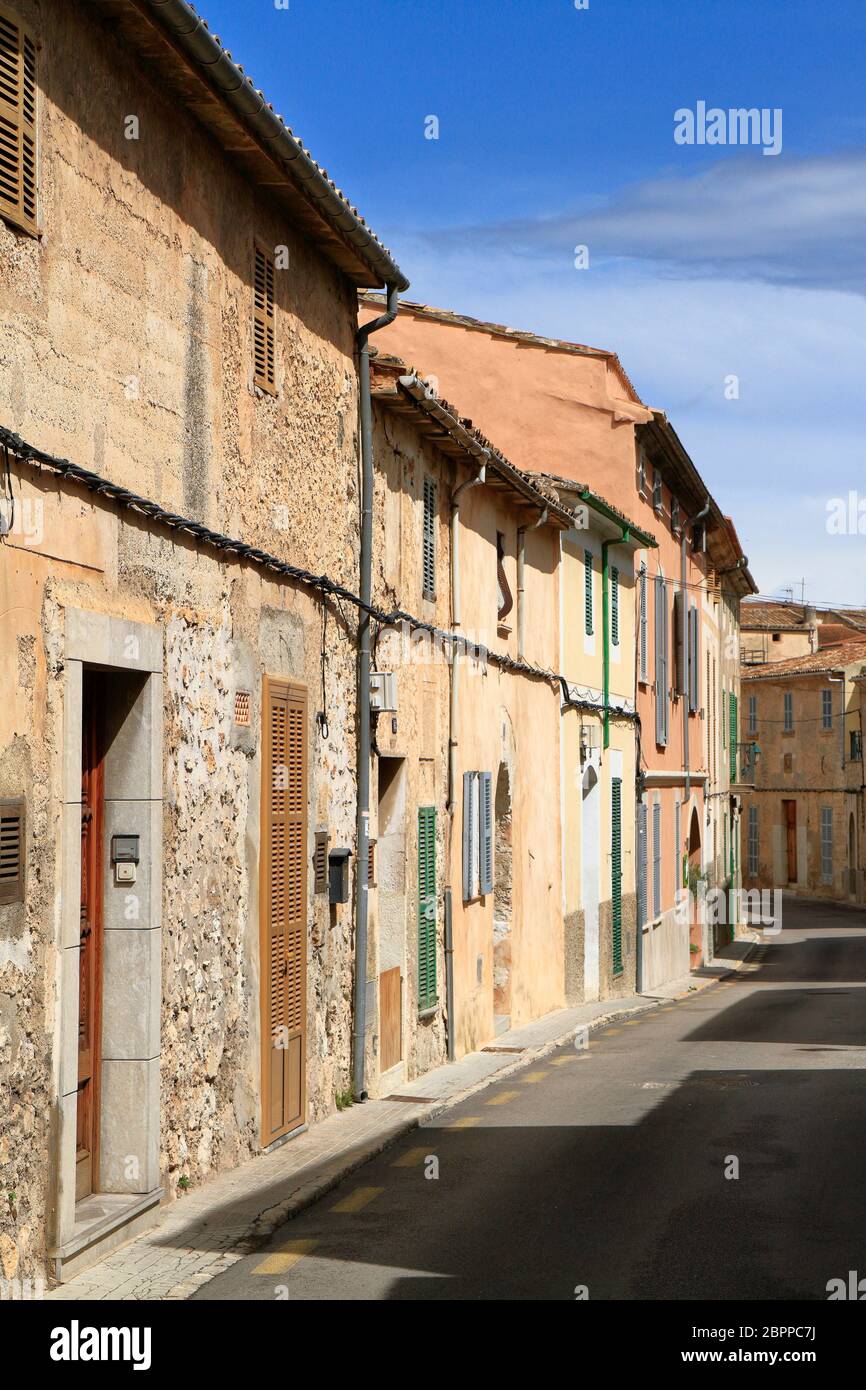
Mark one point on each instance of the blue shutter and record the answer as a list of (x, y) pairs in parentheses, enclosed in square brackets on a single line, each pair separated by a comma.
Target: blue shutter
[(486, 816), (657, 859)]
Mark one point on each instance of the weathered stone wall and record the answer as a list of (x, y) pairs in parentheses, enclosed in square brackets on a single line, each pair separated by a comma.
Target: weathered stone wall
[(125, 345)]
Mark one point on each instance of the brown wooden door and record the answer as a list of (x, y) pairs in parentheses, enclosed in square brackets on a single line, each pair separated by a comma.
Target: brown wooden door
[(90, 960), (790, 809), (284, 909), (390, 1018)]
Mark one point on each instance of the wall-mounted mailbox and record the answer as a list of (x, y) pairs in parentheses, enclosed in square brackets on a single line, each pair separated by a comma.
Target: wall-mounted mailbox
[(125, 849), (338, 875)]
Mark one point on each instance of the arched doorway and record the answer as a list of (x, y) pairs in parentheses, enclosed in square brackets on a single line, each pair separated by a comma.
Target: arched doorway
[(502, 898), (696, 935), (589, 880)]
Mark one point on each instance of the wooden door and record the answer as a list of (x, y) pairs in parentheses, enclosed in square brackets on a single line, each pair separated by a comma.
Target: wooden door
[(390, 1018), (283, 898), (790, 808), (90, 960)]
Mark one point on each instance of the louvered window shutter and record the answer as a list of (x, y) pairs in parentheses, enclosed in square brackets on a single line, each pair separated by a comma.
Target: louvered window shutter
[(643, 625), (679, 637), (657, 859), (427, 988), (11, 851), (732, 705), (616, 873), (694, 659), (429, 539), (678, 870), (472, 814), (641, 863), (587, 591), (614, 606), (18, 179), (661, 663), (264, 323), (486, 814)]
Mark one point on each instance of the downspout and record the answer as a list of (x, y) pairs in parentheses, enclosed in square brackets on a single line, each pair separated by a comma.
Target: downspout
[(453, 716), (521, 561), (684, 638), (362, 828)]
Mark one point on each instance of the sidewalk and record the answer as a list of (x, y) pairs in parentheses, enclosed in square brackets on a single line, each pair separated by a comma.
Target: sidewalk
[(201, 1234)]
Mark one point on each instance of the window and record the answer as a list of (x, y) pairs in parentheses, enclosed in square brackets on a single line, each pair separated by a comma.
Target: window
[(614, 606), (12, 851), (826, 709), (616, 873), (789, 712), (826, 844), (429, 540), (641, 471), (657, 859), (427, 991), (658, 499), (587, 592), (642, 675), (320, 862), (753, 714), (699, 545), (642, 857), (677, 864), (856, 746), (732, 706), (18, 176), (694, 659), (264, 323), (753, 840), (777, 636), (477, 835), (505, 600), (675, 515)]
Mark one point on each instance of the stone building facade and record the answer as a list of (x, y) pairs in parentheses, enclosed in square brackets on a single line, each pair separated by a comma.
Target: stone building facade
[(179, 401)]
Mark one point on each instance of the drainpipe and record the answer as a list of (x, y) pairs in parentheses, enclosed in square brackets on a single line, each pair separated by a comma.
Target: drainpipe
[(521, 559), (453, 715), (605, 629), (362, 829), (684, 637)]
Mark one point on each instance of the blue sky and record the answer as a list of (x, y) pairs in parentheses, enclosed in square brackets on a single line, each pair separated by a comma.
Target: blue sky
[(556, 129)]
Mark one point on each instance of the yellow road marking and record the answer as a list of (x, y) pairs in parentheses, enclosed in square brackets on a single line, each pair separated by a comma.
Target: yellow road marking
[(609, 1032), (410, 1158), (503, 1098), (562, 1061), (632, 1022), (534, 1076), (465, 1123), (358, 1199), (284, 1259)]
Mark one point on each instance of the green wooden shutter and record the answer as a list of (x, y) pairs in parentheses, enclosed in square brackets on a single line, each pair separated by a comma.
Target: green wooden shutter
[(732, 707), (587, 590), (427, 995), (614, 606), (428, 567), (616, 872)]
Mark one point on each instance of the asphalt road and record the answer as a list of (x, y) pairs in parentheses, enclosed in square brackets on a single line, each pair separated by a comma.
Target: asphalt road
[(607, 1168)]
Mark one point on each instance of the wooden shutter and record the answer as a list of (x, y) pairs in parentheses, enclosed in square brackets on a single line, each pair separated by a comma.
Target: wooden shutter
[(642, 863), (614, 606), (471, 837), (661, 635), (320, 862), (694, 659), (284, 908), (427, 994), (429, 540), (657, 859), (616, 873), (643, 625), (587, 591), (680, 638), (11, 851), (264, 323), (18, 182), (732, 705), (390, 1018), (678, 862), (485, 812)]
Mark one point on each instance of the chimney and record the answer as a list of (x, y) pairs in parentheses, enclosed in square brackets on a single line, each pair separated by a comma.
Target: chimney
[(810, 620)]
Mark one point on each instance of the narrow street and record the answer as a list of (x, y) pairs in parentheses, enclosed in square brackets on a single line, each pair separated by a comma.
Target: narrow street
[(606, 1168)]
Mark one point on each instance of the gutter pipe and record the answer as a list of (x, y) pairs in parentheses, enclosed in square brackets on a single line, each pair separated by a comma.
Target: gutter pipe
[(363, 738)]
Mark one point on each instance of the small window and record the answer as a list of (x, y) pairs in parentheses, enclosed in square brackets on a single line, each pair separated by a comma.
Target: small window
[(789, 712), (856, 746), (826, 709), (11, 851), (429, 539), (675, 515), (753, 714), (243, 708), (658, 500), (320, 862), (614, 606), (641, 471), (504, 596), (18, 173), (587, 592), (264, 323), (777, 636)]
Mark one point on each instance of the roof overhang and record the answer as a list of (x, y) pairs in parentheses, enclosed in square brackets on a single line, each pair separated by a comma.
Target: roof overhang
[(173, 39)]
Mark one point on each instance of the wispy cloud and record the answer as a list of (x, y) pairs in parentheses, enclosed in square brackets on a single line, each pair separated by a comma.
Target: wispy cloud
[(785, 222)]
